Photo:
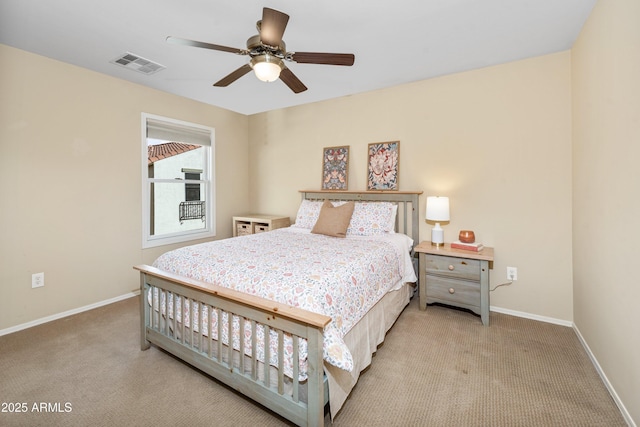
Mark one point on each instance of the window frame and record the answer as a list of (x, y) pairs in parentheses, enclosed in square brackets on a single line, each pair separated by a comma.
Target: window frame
[(207, 177)]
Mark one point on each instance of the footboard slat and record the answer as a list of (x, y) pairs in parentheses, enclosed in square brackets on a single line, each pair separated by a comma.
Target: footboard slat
[(192, 325), (230, 332), (242, 342), (180, 328), (254, 353), (267, 354), (175, 315), (219, 314), (296, 370), (210, 329), (167, 323), (280, 362), (154, 315), (182, 314)]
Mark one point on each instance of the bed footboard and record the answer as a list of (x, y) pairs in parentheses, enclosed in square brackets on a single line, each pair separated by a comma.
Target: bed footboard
[(166, 300)]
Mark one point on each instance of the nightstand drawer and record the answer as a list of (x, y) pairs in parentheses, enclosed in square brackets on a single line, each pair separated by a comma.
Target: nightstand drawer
[(458, 268), (455, 291)]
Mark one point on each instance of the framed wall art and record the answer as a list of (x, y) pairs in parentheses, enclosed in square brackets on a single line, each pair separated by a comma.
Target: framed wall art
[(335, 168), (383, 163)]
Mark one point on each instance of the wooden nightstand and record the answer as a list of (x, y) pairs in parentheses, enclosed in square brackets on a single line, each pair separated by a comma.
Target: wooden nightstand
[(455, 277), (258, 223)]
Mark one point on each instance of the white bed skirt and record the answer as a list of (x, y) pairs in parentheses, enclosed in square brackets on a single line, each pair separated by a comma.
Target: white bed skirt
[(363, 341)]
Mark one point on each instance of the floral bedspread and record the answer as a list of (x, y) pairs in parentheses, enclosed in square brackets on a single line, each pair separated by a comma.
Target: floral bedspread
[(340, 278)]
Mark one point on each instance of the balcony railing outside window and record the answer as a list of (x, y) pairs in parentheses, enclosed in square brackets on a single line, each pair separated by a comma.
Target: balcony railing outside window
[(194, 209)]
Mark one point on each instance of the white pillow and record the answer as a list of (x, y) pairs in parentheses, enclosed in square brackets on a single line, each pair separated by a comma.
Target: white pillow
[(372, 218), (394, 214), (308, 213)]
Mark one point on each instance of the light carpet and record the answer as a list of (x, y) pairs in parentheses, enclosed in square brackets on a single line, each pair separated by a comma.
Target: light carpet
[(438, 367)]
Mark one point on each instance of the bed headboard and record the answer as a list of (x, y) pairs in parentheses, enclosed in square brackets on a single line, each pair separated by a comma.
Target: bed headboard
[(407, 220)]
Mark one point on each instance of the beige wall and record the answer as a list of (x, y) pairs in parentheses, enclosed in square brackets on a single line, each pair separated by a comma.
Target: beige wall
[(70, 182), (606, 199), (497, 141)]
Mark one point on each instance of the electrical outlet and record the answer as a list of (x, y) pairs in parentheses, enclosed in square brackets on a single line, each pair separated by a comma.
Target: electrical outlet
[(37, 280), (512, 273)]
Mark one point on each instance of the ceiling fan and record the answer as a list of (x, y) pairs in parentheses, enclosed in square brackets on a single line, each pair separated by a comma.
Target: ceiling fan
[(268, 53)]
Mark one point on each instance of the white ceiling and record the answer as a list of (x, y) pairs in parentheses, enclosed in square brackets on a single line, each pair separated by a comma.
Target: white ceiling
[(394, 41)]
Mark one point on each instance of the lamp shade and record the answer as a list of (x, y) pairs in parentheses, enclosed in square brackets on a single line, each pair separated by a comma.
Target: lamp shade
[(437, 208)]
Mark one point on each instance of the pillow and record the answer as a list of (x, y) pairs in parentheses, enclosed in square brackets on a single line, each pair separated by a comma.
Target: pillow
[(369, 218), (333, 220), (307, 214), (394, 214), (372, 218)]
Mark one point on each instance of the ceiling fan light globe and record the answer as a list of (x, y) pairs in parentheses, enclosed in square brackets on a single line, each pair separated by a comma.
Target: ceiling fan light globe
[(267, 71), (267, 68)]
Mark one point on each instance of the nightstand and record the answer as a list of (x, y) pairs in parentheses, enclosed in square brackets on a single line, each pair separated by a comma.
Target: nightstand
[(258, 223), (455, 277)]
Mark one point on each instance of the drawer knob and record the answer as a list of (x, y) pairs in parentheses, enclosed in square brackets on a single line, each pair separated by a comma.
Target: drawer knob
[(451, 267), (452, 291)]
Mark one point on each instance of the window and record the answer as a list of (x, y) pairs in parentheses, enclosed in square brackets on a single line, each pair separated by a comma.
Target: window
[(192, 191), (177, 175)]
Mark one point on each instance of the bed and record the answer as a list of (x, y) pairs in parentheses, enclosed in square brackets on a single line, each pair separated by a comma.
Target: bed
[(294, 334)]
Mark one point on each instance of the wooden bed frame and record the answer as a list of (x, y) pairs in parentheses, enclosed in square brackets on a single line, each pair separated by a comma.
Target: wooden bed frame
[(219, 360)]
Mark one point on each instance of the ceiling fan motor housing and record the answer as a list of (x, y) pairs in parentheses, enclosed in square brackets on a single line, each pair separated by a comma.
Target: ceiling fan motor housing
[(256, 48)]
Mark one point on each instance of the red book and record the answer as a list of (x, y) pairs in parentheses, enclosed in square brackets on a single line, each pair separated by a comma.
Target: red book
[(475, 247)]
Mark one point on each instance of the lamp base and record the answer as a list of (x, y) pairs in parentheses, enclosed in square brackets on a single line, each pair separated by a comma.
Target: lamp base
[(437, 236), (437, 245)]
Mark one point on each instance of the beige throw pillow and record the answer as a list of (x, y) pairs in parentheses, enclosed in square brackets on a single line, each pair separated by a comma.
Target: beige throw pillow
[(333, 220)]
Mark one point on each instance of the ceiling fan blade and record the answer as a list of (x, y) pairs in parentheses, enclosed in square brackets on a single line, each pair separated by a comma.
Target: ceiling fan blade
[(323, 58), (292, 81), (272, 26), (235, 75), (186, 42)]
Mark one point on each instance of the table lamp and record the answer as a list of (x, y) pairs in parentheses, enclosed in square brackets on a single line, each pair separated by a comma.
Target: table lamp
[(437, 210)]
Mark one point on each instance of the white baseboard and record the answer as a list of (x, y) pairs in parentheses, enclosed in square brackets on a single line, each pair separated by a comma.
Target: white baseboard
[(532, 316), (66, 313), (623, 410)]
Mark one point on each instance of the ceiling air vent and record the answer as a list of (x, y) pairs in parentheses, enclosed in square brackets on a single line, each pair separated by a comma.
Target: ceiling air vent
[(138, 63)]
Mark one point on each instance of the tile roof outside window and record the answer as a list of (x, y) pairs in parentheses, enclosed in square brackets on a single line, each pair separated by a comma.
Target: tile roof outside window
[(168, 149)]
